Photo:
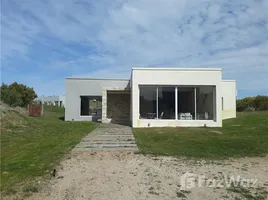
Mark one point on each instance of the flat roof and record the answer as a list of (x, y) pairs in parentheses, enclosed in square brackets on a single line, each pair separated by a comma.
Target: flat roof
[(228, 80), (177, 69), (148, 68), (115, 79)]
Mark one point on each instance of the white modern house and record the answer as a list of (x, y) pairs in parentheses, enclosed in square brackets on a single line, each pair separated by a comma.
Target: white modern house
[(52, 100), (154, 97)]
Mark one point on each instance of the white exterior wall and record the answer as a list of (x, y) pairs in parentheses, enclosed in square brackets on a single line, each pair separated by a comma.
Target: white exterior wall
[(76, 87), (229, 94), (175, 77)]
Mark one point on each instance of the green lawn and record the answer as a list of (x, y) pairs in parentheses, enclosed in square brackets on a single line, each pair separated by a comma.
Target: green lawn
[(31, 146), (247, 135)]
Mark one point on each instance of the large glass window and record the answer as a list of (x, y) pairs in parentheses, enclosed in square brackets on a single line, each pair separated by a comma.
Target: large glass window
[(186, 103), (90, 105), (166, 103), (189, 103), (205, 102), (148, 102)]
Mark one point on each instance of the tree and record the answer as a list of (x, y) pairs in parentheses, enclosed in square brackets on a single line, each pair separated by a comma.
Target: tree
[(17, 94)]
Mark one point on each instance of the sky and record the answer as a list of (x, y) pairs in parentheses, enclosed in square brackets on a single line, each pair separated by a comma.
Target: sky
[(45, 41)]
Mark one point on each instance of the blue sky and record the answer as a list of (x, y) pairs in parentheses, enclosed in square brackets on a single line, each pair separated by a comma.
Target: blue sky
[(44, 41)]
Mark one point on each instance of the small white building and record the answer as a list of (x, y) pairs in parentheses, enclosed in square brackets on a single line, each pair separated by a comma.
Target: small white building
[(154, 97), (52, 100)]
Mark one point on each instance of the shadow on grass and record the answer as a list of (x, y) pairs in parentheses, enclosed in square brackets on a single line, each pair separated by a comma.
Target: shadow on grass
[(62, 118)]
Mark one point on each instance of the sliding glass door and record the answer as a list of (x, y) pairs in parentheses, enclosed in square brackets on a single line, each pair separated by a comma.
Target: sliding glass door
[(166, 102), (178, 102), (148, 99), (205, 103), (186, 103)]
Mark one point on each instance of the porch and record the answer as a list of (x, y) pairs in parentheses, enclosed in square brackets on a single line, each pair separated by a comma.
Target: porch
[(116, 106)]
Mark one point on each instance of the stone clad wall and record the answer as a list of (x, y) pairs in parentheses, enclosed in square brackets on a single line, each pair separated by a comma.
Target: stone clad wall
[(118, 108)]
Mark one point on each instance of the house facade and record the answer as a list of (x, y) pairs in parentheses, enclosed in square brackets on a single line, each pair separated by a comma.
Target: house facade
[(154, 97)]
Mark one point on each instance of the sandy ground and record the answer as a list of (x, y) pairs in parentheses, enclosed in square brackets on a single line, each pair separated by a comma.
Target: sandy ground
[(127, 176)]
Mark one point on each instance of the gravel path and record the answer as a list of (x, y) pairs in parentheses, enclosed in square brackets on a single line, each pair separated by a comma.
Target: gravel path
[(127, 176)]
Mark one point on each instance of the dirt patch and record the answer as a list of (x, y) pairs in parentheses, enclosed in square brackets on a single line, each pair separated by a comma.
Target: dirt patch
[(127, 176)]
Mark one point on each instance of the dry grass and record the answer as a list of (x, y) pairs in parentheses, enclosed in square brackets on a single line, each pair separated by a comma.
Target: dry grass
[(12, 117)]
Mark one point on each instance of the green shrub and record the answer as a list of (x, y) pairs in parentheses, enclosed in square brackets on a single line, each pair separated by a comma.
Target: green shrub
[(261, 102), (17, 94), (240, 105), (258, 103)]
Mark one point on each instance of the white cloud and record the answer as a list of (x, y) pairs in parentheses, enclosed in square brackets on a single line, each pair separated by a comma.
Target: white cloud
[(106, 38)]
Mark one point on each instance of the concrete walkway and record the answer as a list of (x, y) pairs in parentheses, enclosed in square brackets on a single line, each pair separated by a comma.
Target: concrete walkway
[(108, 137)]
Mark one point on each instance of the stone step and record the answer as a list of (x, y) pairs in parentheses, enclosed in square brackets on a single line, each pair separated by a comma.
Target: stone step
[(115, 135), (111, 140), (107, 149), (123, 134), (107, 142), (105, 145), (110, 136), (112, 126), (108, 130)]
